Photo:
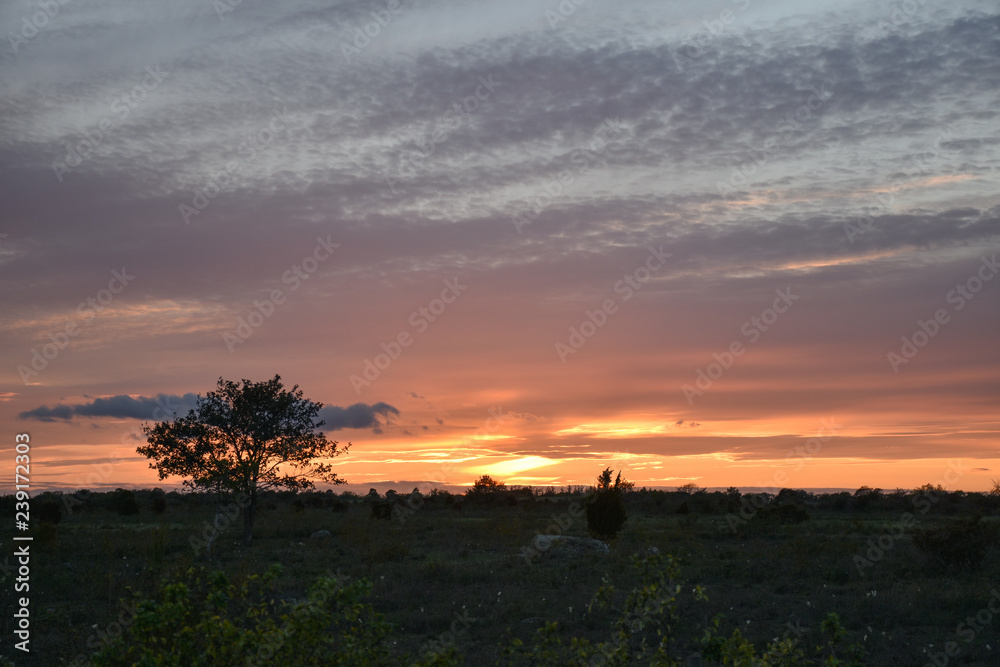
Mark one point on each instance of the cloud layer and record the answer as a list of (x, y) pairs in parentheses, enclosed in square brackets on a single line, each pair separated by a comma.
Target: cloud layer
[(849, 153)]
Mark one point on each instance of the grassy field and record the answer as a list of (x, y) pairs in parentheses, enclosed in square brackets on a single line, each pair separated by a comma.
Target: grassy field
[(455, 575)]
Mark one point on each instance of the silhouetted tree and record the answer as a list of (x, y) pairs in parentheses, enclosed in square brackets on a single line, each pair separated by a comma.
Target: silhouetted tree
[(606, 513), (244, 438), (486, 488), (487, 484)]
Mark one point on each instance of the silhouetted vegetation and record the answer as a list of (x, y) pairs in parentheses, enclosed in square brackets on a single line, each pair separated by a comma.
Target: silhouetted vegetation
[(159, 505), (124, 502), (242, 439), (606, 513), (900, 569), (50, 512), (961, 544)]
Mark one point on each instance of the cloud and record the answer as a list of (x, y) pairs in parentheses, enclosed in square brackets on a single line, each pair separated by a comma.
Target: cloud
[(164, 406), (359, 415), (161, 406)]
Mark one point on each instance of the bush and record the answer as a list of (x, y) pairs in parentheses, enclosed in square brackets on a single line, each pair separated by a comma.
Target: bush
[(123, 502), (961, 544), (49, 512), (644, 622), (159, 505), (382, 510), (606, 513), (486, 490), (206, 619), (338, 504)]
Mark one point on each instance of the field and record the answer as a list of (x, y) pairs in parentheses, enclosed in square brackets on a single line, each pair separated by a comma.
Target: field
[(451, 572)]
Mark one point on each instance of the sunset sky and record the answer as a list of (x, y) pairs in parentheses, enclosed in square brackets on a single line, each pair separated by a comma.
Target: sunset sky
[(740, 243)]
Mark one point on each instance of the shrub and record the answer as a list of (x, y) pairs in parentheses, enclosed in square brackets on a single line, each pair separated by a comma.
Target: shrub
[(444, 496), (49, 512), (206, 619), (644, 624), (486, 489), (382, 510), (606, 513), (159, 505), (960, 544), (123, 502), (338, 504)]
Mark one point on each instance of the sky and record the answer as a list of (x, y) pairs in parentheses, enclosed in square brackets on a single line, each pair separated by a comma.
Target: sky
[(741, 243)]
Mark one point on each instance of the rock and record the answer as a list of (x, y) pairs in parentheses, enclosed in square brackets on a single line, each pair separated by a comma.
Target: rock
[(564, 546), (320, 535)]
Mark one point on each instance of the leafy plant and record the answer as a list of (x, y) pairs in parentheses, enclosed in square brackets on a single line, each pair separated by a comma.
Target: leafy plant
[(206, 619)]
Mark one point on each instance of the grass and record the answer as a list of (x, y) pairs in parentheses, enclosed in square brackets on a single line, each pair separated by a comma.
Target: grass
[(442, 570)]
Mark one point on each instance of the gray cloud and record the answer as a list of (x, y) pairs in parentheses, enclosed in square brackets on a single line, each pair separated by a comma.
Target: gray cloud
[(165, 406), (359, 415), (162, 406)]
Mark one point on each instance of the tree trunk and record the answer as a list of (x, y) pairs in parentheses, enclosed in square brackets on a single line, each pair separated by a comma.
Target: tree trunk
[(248, 515)]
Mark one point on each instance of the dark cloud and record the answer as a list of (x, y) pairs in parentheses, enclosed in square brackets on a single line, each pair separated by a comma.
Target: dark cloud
[(359, 415), (162, 406), (165, 406)]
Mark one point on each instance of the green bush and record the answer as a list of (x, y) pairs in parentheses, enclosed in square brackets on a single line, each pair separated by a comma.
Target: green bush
[(205, 619), (960, 544), (643, 631)]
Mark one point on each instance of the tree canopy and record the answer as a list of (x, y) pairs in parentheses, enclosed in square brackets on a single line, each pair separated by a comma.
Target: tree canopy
[(243, 438)]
